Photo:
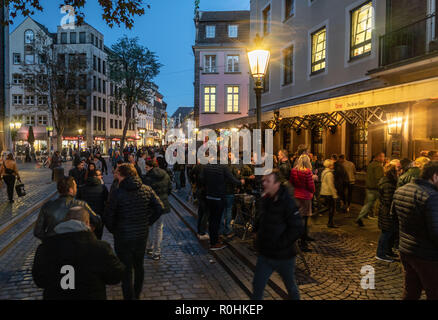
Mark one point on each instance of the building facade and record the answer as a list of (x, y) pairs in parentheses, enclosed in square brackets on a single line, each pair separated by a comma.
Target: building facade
[(95, 116), (221, 67), (4, 75), (357, 78)]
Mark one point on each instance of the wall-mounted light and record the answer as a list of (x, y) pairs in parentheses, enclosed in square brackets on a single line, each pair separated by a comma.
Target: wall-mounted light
[(394, 121)]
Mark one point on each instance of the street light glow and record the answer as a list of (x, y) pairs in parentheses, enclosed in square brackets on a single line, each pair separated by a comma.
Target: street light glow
[(258, 62)]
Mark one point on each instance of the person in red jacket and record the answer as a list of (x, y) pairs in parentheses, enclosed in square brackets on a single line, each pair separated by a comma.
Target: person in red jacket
[(301, 178)]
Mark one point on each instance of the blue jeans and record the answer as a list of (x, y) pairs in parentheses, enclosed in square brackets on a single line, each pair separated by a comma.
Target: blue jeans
[(371, 198), (155, 236), (386, 242), (264, 269), (177, 178), (225, 227)]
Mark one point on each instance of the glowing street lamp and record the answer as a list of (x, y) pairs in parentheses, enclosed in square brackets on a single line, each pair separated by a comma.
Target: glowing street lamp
[(14, 126), (258, 61), (79, 138), (395, 123)]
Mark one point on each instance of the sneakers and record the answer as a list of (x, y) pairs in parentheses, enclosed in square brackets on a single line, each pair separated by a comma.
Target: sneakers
[(203, 237), (217, 246), (385, 258), (149, 252), (156, 257), (360, 223)]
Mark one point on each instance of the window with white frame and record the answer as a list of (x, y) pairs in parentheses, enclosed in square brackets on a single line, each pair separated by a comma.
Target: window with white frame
[(210, 99), (289, 8), (233, 31), (29, 37), (17, 78), (288, 65), (210, 31), (17, 99), (319, 42), (42, 120), (30, 120), (233, 63), (42, 100), (30, 100), (267, 20), (29, 59), (17, 58), (210, 64), (361, 30), (233, 99)]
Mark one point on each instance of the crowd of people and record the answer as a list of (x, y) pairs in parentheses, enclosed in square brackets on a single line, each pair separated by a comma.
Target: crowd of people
[(403, 194)]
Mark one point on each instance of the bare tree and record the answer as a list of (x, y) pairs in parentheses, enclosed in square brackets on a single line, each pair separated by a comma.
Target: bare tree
[(60, 75)]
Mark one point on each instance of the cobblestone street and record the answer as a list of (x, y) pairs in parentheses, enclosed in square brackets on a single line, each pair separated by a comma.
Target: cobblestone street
[(188, 271)]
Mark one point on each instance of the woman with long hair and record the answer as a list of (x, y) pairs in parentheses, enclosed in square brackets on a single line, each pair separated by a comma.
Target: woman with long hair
[(301, 178), (9, 173)]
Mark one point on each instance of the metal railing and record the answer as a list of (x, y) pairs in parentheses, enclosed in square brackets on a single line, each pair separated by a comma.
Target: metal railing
[(411, 41)]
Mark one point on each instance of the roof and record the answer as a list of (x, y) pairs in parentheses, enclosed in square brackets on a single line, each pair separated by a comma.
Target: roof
[(224, 15), (184, 111)]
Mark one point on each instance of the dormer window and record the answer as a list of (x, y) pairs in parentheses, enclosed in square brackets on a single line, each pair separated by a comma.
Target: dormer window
[(29, 37), (210, 31)]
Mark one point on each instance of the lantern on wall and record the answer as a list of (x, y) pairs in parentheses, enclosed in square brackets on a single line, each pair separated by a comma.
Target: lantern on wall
[(394, 121)]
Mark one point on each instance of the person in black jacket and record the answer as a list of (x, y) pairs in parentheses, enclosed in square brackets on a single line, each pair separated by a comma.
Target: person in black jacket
[(279, 225), (96, 195), (132, 208), (78, 173), (416, 207), (341, 182), (91, 263), (386, 221), (214, 177), (159, 181), (103, 162)]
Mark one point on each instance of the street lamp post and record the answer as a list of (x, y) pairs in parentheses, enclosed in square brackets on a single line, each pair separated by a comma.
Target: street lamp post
[(79, 139), (258, 62), (14, 126), (49, 135)]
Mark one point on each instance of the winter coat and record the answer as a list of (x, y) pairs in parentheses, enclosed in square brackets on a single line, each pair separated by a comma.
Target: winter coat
[(304, 186), (374, 174), (386, 221), (230, 187), (214, 177), (416, 207), (328, 184), (54, 212), (94, 263), (78, 175), (410, 175), (341, 177), (131, 209), (350, 169), (95, 194), (278, 226), (159, 181), (285, 169)]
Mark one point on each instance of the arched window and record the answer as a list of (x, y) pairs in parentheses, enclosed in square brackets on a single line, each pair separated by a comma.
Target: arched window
[(29, 36)]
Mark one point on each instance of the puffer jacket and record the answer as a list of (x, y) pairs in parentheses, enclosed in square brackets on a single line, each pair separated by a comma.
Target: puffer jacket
[(95, 194), (278, 226), (410, 175), (304, 186), (132, 208), (54, 212), (94, 262), (416, 207), (386, 221), (214, 177), (159, 181)]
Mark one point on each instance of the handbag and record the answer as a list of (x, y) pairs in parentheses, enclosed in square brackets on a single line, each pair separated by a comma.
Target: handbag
[(19, 188)]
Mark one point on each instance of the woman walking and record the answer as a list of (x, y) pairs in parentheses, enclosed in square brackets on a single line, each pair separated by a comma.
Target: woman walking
[(387, 223), (301, 179), (328, 190), (9, 172)]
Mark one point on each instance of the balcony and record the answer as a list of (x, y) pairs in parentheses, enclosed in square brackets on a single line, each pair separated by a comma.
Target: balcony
[(410, 52)]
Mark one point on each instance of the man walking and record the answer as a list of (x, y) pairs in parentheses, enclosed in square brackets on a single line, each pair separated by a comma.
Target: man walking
[(54, 211), (133, 207), (374, 174), (93, 262), (416, 207), (279, 226), (350, 170)]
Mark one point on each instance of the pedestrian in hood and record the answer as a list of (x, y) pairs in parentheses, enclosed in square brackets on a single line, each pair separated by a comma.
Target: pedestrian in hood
[(91, 263), (416, 208), (132, 208), (159, 181), (96, 195), (278, 226)]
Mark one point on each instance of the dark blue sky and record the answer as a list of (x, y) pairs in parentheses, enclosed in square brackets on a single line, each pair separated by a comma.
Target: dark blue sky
[(167, 29)]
